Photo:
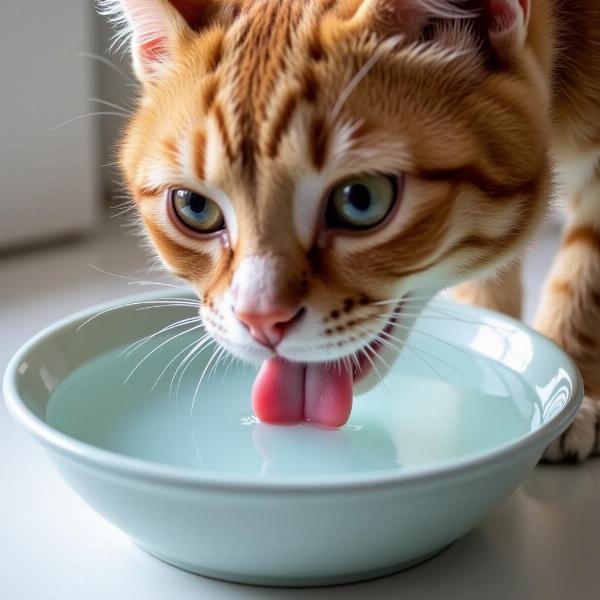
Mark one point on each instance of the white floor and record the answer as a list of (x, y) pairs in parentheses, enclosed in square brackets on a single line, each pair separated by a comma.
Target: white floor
[(542, 543)]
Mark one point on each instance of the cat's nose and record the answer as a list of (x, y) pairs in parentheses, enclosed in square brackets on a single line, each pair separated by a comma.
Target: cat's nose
[(269, 326)]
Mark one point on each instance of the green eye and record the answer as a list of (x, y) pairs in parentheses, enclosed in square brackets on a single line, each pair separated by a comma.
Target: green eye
[(361, 202), (199, 213)]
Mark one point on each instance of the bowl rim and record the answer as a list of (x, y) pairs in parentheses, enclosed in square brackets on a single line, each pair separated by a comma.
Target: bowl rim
[(171, 475)]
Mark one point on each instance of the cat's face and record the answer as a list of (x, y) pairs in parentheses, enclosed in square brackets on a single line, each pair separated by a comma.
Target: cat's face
[(308, 165)]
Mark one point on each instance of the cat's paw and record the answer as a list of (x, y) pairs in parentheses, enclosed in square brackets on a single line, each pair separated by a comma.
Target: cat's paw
[(581, 440)]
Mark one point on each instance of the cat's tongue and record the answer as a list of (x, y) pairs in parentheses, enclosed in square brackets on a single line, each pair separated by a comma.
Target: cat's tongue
[(286, 392)]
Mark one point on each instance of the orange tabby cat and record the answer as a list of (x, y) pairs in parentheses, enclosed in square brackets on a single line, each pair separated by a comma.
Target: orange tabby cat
[(317, 169)]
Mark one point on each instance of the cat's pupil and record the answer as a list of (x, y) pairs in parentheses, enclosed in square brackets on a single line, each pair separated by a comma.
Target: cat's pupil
[(197, 203), (359, 196)]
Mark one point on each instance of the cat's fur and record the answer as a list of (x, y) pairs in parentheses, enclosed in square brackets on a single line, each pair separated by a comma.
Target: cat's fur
[(263, 104)]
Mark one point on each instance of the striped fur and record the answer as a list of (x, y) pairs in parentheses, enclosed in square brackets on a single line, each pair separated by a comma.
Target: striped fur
[(271, 102)]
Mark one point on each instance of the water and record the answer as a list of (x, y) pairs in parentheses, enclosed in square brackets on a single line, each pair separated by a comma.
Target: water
[(422, 414)]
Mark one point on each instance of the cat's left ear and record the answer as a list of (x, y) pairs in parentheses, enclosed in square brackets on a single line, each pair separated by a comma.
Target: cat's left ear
[(504, 22), (156, 29)]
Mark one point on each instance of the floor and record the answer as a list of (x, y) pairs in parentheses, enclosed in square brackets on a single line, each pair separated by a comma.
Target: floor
[(542, 543)]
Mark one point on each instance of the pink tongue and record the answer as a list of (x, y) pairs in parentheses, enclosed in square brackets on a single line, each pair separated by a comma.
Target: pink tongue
[(286, 392)]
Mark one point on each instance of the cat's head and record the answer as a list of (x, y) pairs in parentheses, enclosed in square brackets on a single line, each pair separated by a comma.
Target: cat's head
[(306, 165)]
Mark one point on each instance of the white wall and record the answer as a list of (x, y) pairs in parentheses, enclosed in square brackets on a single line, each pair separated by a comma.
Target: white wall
[(48, 179)]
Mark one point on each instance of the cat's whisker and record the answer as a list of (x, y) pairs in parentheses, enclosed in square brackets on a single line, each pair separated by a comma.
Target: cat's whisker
[(232, 361), (111, 105), (431, 303), (431, 336), (154, 303), (105, 61), (197, 449), (362, 73), (372, 363), (437, 358), (439, 317), (135, 280), (402, 301), (158, 348), (126, 202), (384, 337), (213, 370), (404, 344), (102, 113), (428, 364), (187, 362), (216, 353), (171, 362), (123, 212), (139, 343), (450, 316), (172, 304)]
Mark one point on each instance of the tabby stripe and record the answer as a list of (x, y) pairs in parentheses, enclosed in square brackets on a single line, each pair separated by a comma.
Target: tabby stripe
[(310, 85), (199, 153), (189, 264), (215, 52), (584, 235), (171, 151), (318, 141), (315, 45), (473, 175), (224, 131), (475, 242), (209, 94), (282, 123)]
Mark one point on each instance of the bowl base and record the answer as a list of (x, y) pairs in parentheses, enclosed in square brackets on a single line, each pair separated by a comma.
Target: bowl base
[(260, 580)]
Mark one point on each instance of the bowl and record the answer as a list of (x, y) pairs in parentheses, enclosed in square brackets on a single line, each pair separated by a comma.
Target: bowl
[(188, 472)]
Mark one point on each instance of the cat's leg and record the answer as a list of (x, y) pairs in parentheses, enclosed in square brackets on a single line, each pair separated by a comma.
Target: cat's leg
[(569, 314), (501, 292)]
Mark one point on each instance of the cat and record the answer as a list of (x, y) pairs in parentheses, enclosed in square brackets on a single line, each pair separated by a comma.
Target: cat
[(319, 169)]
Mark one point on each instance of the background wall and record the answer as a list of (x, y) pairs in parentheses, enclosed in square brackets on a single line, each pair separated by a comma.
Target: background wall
[(113, 86), (51, 176)]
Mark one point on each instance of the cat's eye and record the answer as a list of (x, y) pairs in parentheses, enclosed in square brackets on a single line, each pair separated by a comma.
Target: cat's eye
[(361, 202), (197, 212)]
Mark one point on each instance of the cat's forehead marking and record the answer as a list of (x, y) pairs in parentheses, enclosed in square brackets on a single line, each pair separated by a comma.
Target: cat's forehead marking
[(262, 83)]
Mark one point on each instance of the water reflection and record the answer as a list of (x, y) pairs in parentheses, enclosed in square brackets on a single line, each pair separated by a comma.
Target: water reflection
[(307, 450)]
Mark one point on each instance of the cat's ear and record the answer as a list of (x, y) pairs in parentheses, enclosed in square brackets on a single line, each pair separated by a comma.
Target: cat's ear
[(155, 28), (507, 22), (503, 22)]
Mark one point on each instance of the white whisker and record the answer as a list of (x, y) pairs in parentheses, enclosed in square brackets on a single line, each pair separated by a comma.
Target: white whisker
[(211, 360), (106, 62), (171, 362), (154, 303), (362, 73), (104, 113), (139, 343), (135, 280), (158, 347), (186, 363), (410, 349), (112, 105)]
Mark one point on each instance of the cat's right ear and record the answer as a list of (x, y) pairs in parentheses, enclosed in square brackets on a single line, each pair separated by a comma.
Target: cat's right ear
[(503, 22), (155, 29)]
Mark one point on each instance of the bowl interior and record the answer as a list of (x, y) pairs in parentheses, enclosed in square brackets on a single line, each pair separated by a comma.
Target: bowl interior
[(469, 383)]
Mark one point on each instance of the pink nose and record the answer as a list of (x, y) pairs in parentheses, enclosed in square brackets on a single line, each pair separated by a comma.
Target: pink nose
[(268, 327)]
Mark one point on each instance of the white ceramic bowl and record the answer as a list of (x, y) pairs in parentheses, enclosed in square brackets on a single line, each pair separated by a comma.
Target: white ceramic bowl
[(456, 426)]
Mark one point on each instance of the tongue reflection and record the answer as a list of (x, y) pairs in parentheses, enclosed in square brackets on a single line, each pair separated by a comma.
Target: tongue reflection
[(286, 392)]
